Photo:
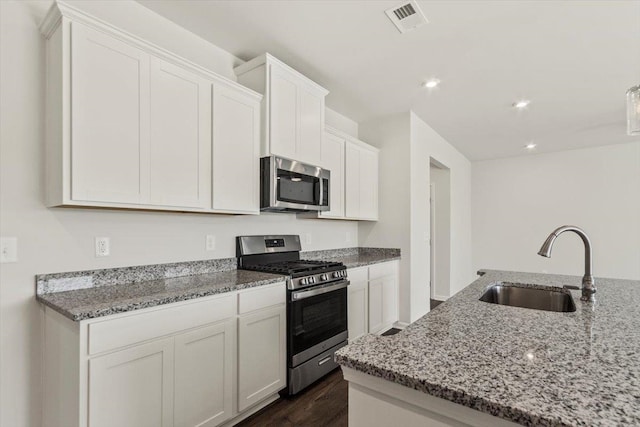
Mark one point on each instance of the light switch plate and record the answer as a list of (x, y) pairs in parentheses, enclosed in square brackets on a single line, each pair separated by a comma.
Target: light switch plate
[(103, 247), (210, 242), (8, 249)]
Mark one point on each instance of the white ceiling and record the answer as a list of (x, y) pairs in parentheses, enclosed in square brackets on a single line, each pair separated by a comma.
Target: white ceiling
[(573, 59)]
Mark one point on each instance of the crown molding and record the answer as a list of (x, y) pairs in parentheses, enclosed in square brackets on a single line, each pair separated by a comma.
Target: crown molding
[(60, 9)]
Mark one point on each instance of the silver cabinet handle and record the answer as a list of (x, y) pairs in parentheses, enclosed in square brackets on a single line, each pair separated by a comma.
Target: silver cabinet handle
[(297, 296), (325, 360)]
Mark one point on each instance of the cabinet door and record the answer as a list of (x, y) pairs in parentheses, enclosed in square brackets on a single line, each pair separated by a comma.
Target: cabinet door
[(109, 119), (262, 355), (333, 160), (283, 111), (204, 361), (376, 298), (133, 387), (311, 124), (352, 180), (389, 300), (368, 184), (358, 308), (236, 151), (180, 126)]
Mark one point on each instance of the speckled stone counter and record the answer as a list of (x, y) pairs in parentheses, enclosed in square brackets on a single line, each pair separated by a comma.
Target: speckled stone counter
[(528, 366), (103, 297), (355, 257)]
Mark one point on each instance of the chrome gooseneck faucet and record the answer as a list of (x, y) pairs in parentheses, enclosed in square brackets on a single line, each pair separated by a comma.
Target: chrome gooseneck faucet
[(588, 283)]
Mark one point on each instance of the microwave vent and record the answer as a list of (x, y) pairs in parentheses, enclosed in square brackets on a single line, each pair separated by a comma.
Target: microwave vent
[(406, 16)]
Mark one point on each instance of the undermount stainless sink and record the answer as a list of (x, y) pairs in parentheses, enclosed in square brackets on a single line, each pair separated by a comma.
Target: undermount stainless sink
[(516, 295)]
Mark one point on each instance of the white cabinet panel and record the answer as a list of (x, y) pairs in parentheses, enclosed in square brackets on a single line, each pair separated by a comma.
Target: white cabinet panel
[(311, 124), (358, 309), (333, 160), (376, 295), (180, 124), (261, 355), (361, 182), (368, 184), (236, 151), (283, 113), (133, 387), (352, 180), (204, 361), (389, 300), (109, 126), (293, 114)]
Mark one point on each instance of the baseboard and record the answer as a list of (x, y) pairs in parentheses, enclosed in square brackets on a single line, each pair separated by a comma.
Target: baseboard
[(439, 298)]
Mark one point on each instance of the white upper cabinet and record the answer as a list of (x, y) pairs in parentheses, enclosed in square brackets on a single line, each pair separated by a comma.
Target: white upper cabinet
[(130, 125), (333, 159), (310, 125), (236, 151), (283, 108), (109, 130), (180, 140), (293, 109), (361, 181)]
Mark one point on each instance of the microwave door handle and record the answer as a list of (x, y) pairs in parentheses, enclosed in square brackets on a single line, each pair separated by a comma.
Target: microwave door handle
[(321, 198)]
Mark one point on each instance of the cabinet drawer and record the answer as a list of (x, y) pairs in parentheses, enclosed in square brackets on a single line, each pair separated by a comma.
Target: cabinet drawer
[(262, 297), (382, 270), (115, 333), (359, 274)]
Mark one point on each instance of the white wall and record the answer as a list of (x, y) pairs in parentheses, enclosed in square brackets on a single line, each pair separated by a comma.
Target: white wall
[(391, 136), (54, 240), (340, 122), (427, 144), (517, 202), (406, 146)]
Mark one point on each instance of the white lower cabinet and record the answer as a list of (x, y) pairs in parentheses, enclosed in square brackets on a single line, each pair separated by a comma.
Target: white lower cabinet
[(261, 350), (204, 361), (194, 363), (358, 306), (372, 299), (133, 387)]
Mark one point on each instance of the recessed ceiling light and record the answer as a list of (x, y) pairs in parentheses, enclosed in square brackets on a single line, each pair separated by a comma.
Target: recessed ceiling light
[(530, 146), (521, 104), (430, 84)]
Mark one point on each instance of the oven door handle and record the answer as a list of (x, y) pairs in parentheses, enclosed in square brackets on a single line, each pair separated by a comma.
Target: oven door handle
[(300, 295)]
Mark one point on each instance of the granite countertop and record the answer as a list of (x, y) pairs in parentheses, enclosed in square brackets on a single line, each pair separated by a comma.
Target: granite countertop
[(528, 366), (92, 302), (355, 257)]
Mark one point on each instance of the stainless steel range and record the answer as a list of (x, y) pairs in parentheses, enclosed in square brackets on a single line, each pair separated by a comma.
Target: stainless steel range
[(316, 304)]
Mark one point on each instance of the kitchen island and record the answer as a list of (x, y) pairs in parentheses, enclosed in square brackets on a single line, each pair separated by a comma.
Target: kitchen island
[(470, 362)]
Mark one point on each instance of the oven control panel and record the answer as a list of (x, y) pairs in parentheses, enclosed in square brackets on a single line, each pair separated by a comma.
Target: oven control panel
[(317, 279)]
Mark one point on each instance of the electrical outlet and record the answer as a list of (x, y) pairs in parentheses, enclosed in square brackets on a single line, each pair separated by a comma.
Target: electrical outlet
[(307, 238), (102, 246), (210, 242), (8, 249)]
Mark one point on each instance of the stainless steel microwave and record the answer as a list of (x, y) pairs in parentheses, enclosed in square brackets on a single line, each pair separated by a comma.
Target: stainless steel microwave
[(291, 186)]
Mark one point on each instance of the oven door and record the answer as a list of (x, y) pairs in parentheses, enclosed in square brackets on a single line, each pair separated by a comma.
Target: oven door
[(317, 320), (294, 186)]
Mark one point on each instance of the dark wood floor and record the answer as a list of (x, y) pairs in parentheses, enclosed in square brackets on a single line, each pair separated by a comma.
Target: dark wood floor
[(322, 404)]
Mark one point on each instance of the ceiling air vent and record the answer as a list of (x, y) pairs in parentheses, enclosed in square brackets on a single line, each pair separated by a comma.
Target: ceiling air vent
[(406, 16)]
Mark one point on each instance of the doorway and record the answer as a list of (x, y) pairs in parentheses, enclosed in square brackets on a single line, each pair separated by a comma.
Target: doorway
[(440, 230)]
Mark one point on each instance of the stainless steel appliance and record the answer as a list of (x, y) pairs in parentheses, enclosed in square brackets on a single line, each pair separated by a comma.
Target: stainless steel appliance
[(316, 304), (292, 186)]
